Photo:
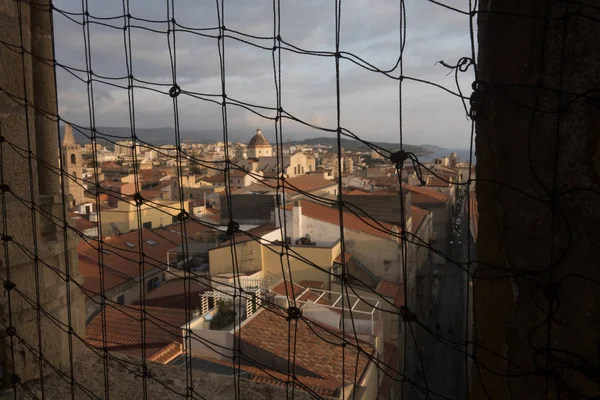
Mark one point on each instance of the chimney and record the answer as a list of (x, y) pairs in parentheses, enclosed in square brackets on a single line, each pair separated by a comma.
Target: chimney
[(296, 221)]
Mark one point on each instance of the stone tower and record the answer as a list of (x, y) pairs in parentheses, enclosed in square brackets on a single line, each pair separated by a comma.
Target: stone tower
[(72, 165), (38, 301)]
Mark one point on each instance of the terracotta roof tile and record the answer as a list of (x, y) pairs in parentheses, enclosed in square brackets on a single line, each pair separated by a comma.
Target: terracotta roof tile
[(175, 293), (347, 257), (417, 215), (312, 284), (302, 183), (437, 182), (393, 290), (81, 223), (322, 354), (351, 221), (319, 386), (123, 326), (121, 258), (426, 195)]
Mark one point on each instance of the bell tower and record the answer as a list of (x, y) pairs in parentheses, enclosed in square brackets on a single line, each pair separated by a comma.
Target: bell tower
[(72, 164)]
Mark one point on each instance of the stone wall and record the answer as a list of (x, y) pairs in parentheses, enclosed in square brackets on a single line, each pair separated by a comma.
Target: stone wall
[(125, 382), (43, 308), (537, 200)]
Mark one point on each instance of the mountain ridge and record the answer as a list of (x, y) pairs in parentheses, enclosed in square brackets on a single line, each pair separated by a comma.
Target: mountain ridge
[(159, 136)]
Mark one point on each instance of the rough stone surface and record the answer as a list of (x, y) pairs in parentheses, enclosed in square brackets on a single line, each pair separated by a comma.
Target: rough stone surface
[(37, 314), (538, 195), (125, 382)]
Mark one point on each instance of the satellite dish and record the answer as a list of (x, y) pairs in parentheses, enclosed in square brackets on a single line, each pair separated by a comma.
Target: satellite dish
[(115, 229)]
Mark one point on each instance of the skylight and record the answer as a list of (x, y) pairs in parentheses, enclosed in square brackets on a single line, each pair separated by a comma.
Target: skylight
[(130, 245), (150, 242)]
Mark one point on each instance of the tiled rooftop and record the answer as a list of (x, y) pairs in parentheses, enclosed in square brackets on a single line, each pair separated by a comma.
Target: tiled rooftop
[(121, 259), (123, 328), (302, 183), (393, 290), (426, 195), (317, 350), (175, 293), (351, 221)]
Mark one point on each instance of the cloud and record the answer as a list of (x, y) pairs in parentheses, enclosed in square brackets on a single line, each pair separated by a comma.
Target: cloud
[(369, 100)]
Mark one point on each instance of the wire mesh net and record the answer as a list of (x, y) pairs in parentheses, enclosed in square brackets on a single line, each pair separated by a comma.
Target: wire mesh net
[(139, 263)]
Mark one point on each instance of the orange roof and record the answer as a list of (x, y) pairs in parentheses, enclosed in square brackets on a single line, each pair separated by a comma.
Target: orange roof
[(417, 215), (347, 257), (121, 258), (351, 221), (319, 386), (123, 327), (312, 284), (81, 223), (173, 294), (437, 182), (426, 195), (391, 289), (302, 183), (286, 287), (317, 350)]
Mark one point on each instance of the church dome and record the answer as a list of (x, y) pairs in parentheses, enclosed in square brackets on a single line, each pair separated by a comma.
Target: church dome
[(258, 140)]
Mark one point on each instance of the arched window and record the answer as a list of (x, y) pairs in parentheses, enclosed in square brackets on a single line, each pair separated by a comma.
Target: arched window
[(73, 159)]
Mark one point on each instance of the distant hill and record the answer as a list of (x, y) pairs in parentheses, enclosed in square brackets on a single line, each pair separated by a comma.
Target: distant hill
[(159, 136), (355, 145)]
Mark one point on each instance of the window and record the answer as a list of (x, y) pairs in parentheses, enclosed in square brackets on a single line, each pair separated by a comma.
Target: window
[(147, 225), (152, 284), (295, 171), (73, 159), (162, 277), (150, 242), (303, 169), (336, 270), (121, 299)]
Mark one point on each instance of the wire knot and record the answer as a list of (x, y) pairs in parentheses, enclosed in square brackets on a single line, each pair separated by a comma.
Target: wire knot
[(4, 188), (14, 378), (8, 286), (293, 313), (139, 200), (183, 215), (5, 238), (174, 91), (232, 227), (399, 157), (407, 314), (11, 331)]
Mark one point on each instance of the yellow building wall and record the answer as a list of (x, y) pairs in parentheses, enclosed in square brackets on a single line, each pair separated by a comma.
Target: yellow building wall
[(248, 257), (125, 216), (301, 270)]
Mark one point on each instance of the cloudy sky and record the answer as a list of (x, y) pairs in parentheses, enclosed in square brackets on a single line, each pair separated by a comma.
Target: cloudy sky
[(369, 100)]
